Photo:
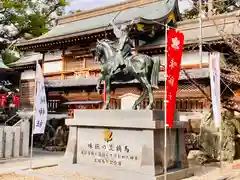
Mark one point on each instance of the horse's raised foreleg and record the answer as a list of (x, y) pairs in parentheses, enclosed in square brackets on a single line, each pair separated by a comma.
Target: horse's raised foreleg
[(150, 92), (108, 93)]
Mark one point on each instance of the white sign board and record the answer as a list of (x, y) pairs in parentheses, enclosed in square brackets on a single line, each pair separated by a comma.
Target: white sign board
[(128, 100), (111, 148)]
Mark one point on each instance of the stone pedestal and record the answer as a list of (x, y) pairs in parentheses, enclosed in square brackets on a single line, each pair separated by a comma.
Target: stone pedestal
[(115, 144)]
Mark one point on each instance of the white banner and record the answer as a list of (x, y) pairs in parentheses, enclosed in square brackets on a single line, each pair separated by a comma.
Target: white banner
[(40, 103), (214, 67)]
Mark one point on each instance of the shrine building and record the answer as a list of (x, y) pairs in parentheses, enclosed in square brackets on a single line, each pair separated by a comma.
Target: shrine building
[(66, 56)]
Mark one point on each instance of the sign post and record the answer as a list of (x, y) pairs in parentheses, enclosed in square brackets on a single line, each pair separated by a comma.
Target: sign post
[(40, 108), (173, 56), (214, 68), (165, 105)]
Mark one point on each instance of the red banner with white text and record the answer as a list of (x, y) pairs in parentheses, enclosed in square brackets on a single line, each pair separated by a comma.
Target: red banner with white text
[(174, 56)]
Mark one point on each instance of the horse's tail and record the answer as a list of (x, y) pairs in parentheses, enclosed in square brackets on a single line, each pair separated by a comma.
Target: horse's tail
[(155, 72)]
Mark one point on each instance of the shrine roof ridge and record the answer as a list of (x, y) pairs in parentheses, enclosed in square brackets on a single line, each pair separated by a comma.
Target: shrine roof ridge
[(102, 10)]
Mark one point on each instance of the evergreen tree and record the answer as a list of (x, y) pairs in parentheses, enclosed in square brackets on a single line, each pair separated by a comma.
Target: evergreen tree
[(26, 19), (219, 7)]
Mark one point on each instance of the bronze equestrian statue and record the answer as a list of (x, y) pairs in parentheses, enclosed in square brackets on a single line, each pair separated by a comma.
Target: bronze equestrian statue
[(124, 46), (119, 65)]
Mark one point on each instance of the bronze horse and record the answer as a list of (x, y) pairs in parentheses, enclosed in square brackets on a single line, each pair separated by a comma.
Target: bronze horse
[(140, 67)]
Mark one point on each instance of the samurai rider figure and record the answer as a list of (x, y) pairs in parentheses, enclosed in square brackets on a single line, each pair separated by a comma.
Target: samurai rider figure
[(124, 46)]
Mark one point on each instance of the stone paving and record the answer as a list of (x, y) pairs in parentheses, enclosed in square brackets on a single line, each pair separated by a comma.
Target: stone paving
[(49, 173), (56, 173), (17, 170), (40, 159)]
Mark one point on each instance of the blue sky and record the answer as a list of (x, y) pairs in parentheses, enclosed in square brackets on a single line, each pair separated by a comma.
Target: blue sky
[(91, 4)]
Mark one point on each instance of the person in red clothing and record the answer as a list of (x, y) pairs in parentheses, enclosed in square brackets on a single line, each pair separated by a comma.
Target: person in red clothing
[(10, 109), (16, 101), (3, 101)]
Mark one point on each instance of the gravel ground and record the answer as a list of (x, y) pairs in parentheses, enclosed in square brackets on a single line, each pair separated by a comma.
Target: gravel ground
[(213, 172), (60, 174), (13, 176), (207, 172), (49, 173)]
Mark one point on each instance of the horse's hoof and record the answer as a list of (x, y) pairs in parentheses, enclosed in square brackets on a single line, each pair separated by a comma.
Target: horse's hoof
[(149, 107), (155, 87), (105, 108), (134, 108), (99, 91)]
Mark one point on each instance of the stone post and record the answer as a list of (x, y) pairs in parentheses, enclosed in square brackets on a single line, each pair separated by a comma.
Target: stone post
[(25, 132), (1, 143), (16, 142), (8, 142)]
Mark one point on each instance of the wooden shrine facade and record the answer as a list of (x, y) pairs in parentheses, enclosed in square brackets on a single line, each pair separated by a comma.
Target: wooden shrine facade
[(65, 54)]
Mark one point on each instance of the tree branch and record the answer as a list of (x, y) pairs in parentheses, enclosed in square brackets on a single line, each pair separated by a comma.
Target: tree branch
[(196, 84), (53, 9), (228, 106)]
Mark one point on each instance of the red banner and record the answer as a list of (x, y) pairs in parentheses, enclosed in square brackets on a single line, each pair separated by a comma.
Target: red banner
[(174, 56)]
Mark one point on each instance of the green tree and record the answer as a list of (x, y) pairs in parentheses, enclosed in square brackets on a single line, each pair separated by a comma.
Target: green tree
[(26, 19), (219, 7)]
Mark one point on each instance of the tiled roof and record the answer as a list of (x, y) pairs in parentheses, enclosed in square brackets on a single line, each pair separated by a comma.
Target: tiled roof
[(213, 29), (29, 112), (81, 102), (29, 58), (92, 81), (148, 12)]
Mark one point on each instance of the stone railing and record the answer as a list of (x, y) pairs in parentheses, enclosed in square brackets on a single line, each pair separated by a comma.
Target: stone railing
[(14, 140)]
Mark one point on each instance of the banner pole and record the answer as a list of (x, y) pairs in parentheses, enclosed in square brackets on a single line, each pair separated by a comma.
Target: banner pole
[(165, 106), (220, 142), (31, 148), (200, 32), (33, 119), (104, 92), (214, 67)]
